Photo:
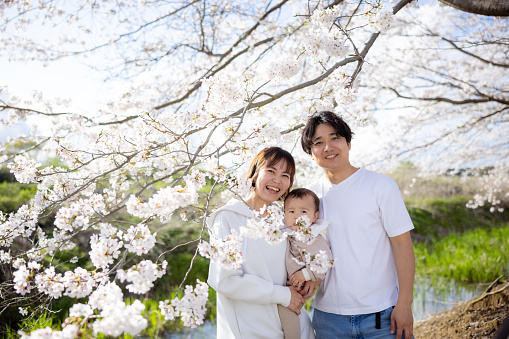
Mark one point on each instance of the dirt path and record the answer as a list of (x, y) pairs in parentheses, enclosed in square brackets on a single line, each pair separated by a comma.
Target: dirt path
[(478, 318)]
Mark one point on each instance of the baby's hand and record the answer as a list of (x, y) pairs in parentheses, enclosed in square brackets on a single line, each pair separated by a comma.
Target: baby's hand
[(297, 279)]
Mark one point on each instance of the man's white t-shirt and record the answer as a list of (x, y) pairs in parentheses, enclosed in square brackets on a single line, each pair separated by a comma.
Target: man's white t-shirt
[(364, 211)]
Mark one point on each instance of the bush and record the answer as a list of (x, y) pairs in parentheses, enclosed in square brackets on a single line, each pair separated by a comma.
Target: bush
[(437, 217), (13, 195)]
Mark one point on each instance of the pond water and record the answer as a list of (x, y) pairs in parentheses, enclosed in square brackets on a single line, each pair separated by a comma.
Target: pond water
[(436, 296), (429, 297)]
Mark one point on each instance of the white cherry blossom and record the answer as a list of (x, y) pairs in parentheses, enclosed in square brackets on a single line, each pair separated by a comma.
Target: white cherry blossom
[(142, 276)]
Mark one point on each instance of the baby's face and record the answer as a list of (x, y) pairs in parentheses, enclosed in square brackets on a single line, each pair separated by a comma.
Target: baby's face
[(294, 208)]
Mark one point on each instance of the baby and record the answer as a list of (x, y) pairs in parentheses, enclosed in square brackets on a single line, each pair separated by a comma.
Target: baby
[(301, 202)]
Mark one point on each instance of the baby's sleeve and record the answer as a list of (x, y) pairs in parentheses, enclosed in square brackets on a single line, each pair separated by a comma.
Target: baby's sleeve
[(320, 244)]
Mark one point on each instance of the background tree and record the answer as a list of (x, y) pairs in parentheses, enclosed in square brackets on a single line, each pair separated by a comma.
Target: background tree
[(451, 102), (484, 7)]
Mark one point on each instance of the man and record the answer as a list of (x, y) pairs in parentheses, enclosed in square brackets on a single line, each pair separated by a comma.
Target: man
[(369, 291)]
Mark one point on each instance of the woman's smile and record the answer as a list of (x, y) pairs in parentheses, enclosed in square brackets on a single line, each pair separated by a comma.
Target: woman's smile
[(273, 189)]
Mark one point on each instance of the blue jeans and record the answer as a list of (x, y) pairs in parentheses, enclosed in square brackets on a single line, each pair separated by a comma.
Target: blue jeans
[(362, 326)]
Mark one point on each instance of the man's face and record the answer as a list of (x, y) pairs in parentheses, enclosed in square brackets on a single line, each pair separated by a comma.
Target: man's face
[(329, 150)]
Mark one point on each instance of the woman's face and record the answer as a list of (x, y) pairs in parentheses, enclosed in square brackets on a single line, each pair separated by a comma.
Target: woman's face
[(272, 182)]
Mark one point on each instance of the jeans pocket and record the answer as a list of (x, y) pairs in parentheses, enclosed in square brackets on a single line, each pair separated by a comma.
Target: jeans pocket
[(387, 312)]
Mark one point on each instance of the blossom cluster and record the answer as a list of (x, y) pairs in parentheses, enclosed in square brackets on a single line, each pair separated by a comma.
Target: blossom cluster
[(319, 262), (284, 69), (322, 41), (22, 277), (68, 332), (246, 143), (22, 222), (233, 181), (113, 317), (104, 250), (267, 223), (139, 240), (304, 231), (51, 283), (116, 316), (240, 186), (191, 308), (345, 91), (380, 20), (142, 276), (222, 93), (72, 158), (25, 170), (215, 170), (227, 252), (180, 121), (323, 45), (5, 257), (77, 215), (325, 17), (265, 132), (55, 186), (494, 187), (168, 199), (77, 284)]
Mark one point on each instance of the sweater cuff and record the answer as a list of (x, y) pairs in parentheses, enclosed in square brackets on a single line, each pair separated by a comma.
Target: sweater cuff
[(306, 274), (281, 295)]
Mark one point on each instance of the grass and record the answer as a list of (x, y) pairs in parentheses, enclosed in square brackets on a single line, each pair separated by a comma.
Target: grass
[(13, 195), (452, 241), (475, 256), (37, 322)]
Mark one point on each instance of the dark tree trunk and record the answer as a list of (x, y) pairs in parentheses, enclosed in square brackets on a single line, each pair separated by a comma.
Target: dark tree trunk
[(484, 7)]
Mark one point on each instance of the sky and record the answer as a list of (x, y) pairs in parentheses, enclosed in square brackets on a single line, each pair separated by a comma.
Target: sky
[(66, 79)]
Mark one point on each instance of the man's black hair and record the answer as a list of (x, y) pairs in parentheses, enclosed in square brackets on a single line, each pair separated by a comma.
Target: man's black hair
[(324, 117)]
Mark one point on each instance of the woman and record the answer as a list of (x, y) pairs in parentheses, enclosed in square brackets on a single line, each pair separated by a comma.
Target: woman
[(247, 297)]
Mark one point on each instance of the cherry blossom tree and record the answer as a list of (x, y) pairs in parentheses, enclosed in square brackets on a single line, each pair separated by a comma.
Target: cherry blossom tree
[(484, 7), (451, 102), (206, 84)]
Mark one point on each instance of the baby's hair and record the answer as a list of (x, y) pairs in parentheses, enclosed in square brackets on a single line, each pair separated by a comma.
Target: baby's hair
[(300, 193)]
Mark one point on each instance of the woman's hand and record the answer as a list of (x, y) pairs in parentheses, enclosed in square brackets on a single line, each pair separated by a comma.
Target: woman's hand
[(297, 300), (309, 288)]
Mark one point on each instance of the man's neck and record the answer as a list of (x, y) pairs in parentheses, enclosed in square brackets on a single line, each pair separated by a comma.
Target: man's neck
[(339, 175)]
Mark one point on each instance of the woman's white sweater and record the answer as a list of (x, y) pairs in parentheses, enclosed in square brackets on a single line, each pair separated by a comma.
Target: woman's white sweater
[(247, 297)]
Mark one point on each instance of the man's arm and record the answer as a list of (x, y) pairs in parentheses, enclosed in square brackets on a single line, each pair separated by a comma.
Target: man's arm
[(402, 318)]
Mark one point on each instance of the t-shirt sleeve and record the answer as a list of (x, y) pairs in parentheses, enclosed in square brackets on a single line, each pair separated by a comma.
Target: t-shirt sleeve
[(393, 212), (234, 283)]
